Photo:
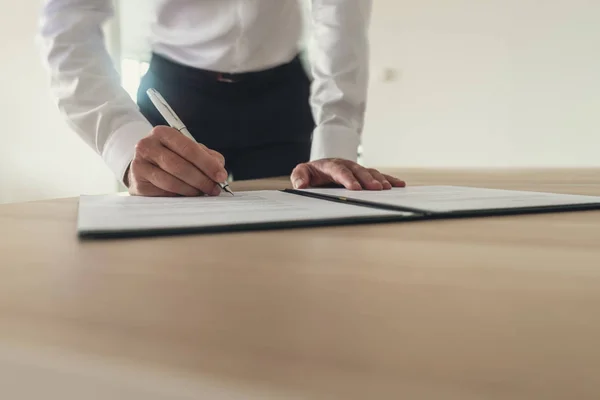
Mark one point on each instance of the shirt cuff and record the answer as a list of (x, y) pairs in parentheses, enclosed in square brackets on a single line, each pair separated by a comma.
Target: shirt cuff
[(120, 147), (335, 142)]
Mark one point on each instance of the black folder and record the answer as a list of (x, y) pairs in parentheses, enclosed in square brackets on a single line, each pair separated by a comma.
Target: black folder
[(110, 216)]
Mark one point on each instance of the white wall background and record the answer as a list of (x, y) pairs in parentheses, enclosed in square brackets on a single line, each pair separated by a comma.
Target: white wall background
[(485, 83), (39, 155)]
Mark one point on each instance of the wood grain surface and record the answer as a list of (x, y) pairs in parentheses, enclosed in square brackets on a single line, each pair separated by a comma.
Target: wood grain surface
[(485, 308)]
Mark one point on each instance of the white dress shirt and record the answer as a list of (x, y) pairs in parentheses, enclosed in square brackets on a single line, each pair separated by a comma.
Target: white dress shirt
[(221, 35)]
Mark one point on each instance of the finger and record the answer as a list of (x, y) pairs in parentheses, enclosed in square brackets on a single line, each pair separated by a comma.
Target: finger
[(339, 173), (185, 171), (381, 179), (145, 171), (220, 158), (214, 153), (301, 177), (147, 189), (367, 181), (395, 181), (196, 154)]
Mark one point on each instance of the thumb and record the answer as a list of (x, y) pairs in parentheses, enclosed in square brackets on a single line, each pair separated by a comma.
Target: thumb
[(301, 176)]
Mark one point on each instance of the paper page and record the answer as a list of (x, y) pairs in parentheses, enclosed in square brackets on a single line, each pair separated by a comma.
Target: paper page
[(456, 198), (114, 213)]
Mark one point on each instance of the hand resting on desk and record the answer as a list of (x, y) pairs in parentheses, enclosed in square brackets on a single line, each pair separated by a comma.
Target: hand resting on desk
[(345, 173)]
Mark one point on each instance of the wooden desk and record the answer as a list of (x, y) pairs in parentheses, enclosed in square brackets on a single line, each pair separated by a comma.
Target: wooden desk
[(495, 308)]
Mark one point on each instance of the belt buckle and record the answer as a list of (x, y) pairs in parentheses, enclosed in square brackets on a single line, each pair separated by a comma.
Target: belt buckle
[(222, 78)]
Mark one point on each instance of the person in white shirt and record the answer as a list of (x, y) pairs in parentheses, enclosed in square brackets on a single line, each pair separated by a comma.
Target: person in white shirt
[(231, 71)]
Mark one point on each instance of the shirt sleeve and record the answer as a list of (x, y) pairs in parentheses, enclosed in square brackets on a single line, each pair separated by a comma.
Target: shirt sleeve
[(86, 84), (340, 69)]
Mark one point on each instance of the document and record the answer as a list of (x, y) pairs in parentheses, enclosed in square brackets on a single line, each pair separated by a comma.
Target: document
[(449, 199), (123, 213)]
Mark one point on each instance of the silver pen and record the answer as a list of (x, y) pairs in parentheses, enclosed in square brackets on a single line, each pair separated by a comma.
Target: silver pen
[(171, 117)]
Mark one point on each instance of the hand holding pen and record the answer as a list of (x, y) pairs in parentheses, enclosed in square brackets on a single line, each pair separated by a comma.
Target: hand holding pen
[(169, 162)]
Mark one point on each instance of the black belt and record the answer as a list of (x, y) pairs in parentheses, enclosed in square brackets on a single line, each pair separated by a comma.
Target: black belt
[(164, 67)]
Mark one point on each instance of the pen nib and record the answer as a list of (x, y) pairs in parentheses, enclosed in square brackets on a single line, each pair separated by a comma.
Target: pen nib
[(226, 188)]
